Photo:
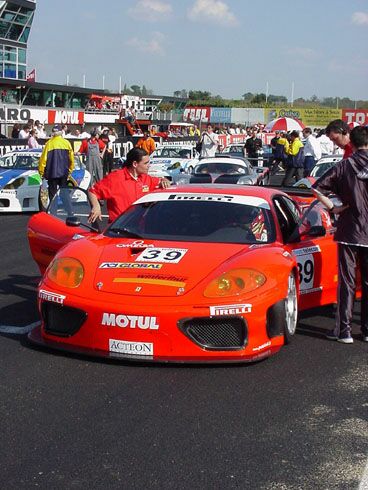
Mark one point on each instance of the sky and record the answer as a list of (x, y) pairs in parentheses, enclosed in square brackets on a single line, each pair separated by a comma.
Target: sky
[(227, 47)]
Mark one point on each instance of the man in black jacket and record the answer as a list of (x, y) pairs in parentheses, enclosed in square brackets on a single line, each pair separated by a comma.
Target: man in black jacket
[(349, 181), (252, 146)]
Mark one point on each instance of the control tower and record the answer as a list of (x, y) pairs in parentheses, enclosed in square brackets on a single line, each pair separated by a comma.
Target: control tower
[(15, 24)]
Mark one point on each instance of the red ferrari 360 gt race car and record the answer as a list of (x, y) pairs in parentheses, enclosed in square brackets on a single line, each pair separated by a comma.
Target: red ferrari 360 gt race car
[(212, 273)]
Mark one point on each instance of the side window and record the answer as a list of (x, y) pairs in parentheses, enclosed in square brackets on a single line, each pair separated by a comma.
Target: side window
[(287, 215)]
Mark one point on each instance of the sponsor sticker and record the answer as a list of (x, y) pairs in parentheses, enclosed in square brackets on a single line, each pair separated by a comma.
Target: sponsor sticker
[(165, 255), (261, 347), (306, 250), (128, 265), (131, 348), (306, 266), (230, 309), (135, 244), (130, 321), (53, 297)]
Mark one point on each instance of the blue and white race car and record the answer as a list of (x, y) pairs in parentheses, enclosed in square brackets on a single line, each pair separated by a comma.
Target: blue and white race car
[(21, 186), (168, 161)]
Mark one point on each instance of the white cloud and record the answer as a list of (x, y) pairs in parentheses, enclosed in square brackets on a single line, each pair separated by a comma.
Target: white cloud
[(152, 46), (150, 10), (214, 11), (360, 18)]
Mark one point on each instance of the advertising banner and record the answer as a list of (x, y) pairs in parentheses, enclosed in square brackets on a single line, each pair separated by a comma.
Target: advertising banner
[(65, 117), (220, 115), (247, 116), (197, 114), (17, 114), (313, 117), (359, 116)]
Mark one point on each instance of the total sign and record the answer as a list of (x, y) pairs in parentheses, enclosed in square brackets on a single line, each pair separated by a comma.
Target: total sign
[(359, 116), (65, 117)]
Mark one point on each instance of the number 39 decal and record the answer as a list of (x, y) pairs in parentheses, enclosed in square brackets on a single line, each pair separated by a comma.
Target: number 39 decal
[(168, 255), (306, 271)]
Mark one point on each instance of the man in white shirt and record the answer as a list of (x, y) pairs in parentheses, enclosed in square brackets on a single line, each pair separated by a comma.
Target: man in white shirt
[(327, 147), (312, 151), (210, 143)]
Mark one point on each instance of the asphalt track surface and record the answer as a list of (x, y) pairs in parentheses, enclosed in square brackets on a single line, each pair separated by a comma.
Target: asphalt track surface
[(298, 420)]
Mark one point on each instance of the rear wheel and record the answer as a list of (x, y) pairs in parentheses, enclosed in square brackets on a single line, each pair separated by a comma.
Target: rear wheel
[(43, 198), (291, 309)]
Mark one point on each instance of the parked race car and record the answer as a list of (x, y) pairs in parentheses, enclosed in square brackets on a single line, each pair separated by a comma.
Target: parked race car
[(187, 274), (21, 186), (320, 168), (264, 159), (168, 161), (221, 170)]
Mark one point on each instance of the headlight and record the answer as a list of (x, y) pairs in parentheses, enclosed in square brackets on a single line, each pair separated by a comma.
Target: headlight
[(15, 184), (235, 282), (67, 272)]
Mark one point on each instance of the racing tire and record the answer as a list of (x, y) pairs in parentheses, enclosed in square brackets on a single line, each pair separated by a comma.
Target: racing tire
[(43, 195), (291, 309), (43, 199)]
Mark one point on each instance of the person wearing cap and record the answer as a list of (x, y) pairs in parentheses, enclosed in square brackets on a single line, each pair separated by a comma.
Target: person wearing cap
[(56, 162), (94, 149)]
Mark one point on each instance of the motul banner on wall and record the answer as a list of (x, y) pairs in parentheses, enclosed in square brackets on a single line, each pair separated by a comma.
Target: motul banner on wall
[(65, 117), (197, 114), (359, 116)]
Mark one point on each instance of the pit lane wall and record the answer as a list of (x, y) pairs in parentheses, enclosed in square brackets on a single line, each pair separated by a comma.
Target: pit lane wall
[(121, 146), (313, 117)]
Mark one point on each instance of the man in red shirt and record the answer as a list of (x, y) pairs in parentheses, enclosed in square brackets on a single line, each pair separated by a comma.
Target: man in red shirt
[(339, 133), (121, 188)]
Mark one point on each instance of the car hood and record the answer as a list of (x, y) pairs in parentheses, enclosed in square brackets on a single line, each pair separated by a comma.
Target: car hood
[(129, 266), (9, 175)]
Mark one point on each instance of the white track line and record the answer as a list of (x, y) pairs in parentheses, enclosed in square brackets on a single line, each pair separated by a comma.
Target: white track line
[(364, 481), (18, 330)]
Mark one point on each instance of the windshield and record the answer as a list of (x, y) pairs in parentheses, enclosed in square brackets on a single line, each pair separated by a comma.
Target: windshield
[(221, 168), (319, 170), (19, 161), (196, 221)]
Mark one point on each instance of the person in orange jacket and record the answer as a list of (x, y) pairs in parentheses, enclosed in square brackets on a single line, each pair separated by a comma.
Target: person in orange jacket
[(146, 143)]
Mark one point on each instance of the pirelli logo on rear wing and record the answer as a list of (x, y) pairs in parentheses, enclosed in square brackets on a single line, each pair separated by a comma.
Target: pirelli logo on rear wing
[(205, 196)]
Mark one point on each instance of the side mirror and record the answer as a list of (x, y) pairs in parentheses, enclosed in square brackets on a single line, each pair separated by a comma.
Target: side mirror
[(315, 231), (72, 221)]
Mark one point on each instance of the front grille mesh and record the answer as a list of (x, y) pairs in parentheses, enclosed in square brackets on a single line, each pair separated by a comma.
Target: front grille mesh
[(61, 320), (222, 333)]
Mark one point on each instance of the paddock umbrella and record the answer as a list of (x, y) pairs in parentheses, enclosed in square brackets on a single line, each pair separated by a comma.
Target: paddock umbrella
[(284, 124)]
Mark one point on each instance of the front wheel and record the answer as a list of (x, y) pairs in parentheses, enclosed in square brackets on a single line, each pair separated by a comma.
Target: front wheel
[(291, 309)]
